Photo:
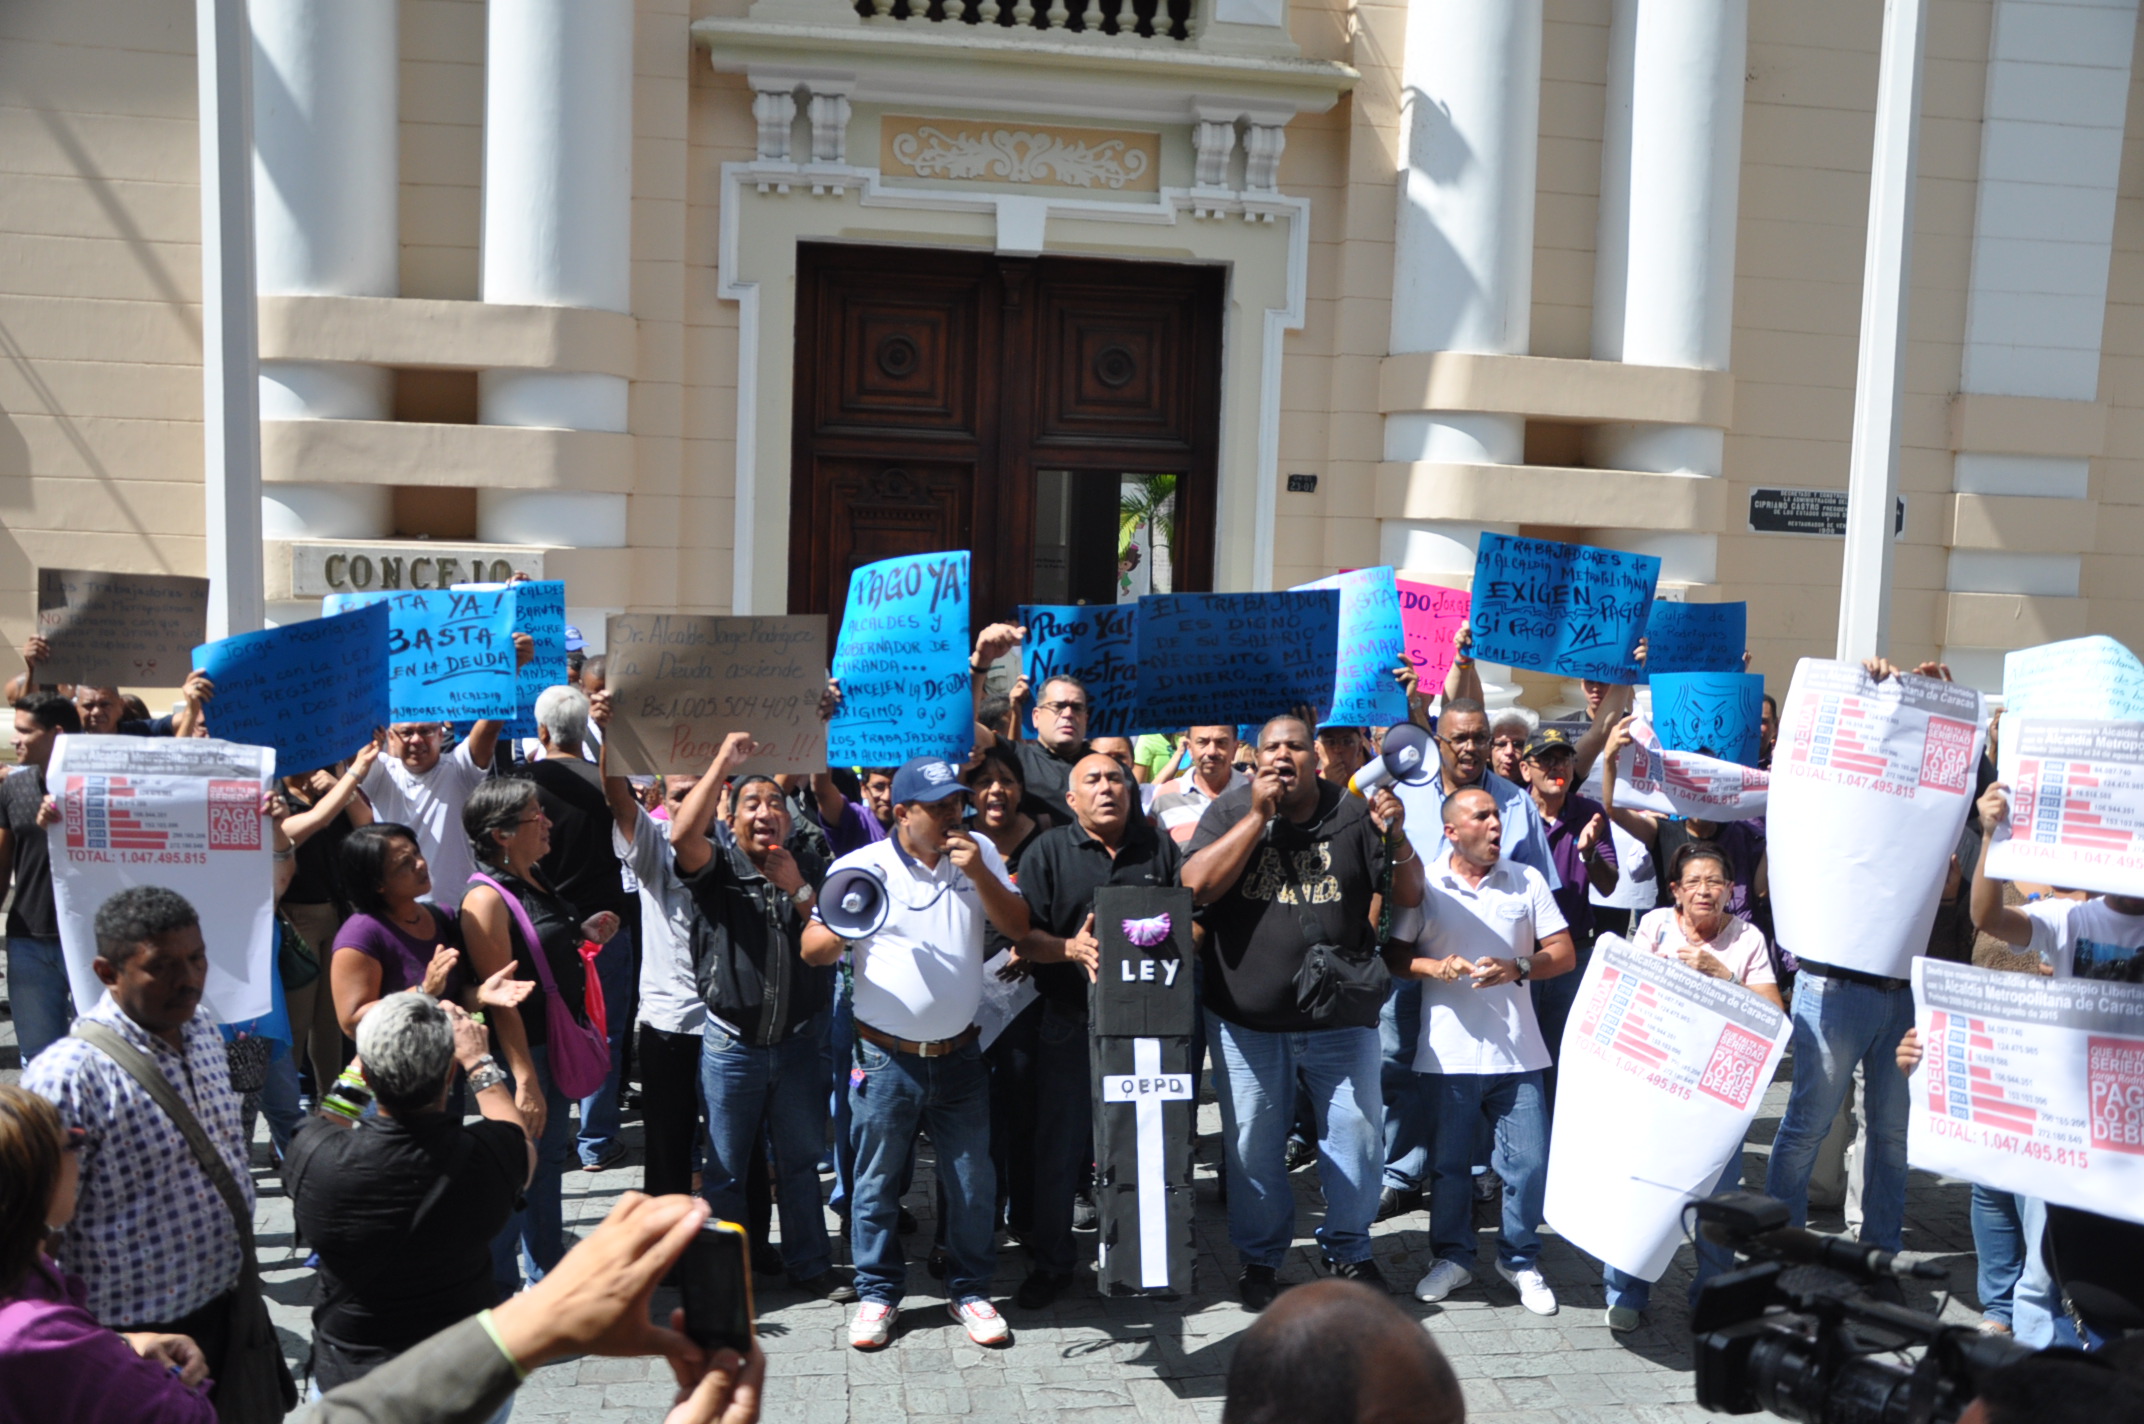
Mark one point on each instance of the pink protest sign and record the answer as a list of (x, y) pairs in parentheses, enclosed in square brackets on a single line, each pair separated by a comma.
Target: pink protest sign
[(1429, 615)]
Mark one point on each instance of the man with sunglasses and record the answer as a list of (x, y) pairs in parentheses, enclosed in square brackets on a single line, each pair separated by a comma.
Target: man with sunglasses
[(1062, 707)]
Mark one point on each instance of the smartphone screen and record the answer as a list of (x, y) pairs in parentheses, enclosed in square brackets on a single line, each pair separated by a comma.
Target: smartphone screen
[(716, 1276)]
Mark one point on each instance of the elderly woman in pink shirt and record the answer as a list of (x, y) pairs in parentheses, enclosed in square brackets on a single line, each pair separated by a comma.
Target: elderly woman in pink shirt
[(57, 1364), (1697, 931)]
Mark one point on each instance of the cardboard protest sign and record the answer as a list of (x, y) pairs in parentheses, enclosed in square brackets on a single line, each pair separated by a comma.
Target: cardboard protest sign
[(450, 652), (1695, 637), (1648, 777), (1368, 647), (119, 630), (183, 813), (1097, 643), (1717, 713), (2093, 677), (1429, 615), (1871, 782), (1563, 608), (540, 612), (1661, 1073), (315, 691), (2076, 805), (2030, 1085), (1236, 657), (680, 683), (902, 661)]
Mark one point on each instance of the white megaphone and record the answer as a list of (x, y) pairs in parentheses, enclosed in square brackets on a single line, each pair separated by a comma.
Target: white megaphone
[(853, 903), (1406, 747)]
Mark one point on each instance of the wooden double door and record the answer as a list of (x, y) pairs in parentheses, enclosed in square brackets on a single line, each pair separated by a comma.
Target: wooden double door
[(1057, 417)]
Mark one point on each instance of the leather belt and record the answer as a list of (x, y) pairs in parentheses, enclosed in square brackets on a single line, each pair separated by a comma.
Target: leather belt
[(1852, 976), (936, 1048)]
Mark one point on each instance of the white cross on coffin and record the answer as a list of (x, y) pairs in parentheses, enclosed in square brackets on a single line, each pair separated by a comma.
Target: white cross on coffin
[(1148, 1088)]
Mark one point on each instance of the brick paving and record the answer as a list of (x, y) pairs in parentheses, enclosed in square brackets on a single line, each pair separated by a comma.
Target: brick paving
[(1088, 1360)]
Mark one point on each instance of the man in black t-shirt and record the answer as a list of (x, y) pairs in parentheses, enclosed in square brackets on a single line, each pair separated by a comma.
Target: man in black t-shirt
[(1281, 864), (36, 970), (1109, 843), (403, 1207)]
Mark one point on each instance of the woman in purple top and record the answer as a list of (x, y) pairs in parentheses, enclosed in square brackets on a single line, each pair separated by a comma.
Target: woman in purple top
[(394, 940), (57, 1364)]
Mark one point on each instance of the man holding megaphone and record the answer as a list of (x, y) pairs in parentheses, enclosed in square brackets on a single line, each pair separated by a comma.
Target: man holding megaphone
[(910, 910)]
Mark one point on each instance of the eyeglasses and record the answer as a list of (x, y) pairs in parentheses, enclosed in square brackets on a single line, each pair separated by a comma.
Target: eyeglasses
[(1709, 882), (1472, 739), (530, 820), (1064, 706), (417, 734)]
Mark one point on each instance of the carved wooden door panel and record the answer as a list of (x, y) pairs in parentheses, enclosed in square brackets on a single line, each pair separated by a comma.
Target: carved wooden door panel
[(932, 387)]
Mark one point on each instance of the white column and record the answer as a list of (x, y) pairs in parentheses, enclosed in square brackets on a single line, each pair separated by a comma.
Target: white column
[(230, 333), (326, 222), (1462, 276), (1671, 160), (558, 220)]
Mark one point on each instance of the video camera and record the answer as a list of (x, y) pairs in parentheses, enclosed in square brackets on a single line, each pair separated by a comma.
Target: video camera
[(1797, 1330)]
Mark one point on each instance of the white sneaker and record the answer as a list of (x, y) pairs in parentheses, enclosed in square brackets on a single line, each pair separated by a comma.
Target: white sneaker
[(872, 1325), (985, 1326), (1444, 1277), (1533, 1289)]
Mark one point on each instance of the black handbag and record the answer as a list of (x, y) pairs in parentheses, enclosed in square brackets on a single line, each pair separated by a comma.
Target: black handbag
[(1335, 987)]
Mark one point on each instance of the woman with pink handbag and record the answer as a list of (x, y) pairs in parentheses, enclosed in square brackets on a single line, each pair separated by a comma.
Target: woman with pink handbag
[(554, 1054)]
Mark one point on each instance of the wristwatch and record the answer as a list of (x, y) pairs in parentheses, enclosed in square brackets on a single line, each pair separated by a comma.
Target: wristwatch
[(486, 1075), (1525, 963), (801, 896)]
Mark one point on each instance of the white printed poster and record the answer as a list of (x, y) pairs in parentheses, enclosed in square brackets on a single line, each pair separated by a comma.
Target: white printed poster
[(1871, 782), (183, 813), (1661, 1074), (1649, 777), (2076, 805), (2030, 1085)]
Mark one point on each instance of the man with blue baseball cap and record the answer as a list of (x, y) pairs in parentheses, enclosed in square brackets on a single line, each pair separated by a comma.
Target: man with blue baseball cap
[(919, 980)]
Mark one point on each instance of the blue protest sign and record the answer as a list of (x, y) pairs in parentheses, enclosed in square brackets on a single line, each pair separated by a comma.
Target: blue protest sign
[(540, 612), (313, 691), (1236, 657), (902, 661), (1695, 637), (1716, 713), (1096, 643), (450, 652), (1370, 646), (1563, 608)]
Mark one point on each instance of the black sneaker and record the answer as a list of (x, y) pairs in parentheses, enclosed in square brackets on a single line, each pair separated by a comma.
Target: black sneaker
[(829, 1284), (1258, 1286), (1393, 1201), (1365, 1272), (1299, 1153), (1085, 1217), (766, 1259), (1040, 1289)]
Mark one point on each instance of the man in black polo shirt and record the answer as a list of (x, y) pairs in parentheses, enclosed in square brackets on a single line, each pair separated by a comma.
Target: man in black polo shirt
[(1280, 864), (1060, 717), (1108, 844)]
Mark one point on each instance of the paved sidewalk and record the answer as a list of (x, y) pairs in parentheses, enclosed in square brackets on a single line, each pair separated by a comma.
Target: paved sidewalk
[(1093, 1361)]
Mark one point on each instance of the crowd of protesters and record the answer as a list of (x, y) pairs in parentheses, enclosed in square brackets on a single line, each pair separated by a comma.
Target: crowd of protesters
[(485, 943)]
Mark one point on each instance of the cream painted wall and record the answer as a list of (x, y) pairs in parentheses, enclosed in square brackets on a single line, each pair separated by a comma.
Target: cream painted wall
[(99, 275)]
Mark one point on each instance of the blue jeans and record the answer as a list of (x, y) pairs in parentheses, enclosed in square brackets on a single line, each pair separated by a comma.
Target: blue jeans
[(37, 992), (599, 1110), (538, 1230), (2037, 1318), (1553, 999), (1712, 1258), (1257, 1075), (779, 1085), (949, 1098), (841, 1052), (279, 1102), (1999, 1242), (1838, 1024), (1410, 1112), (1514, 1106)]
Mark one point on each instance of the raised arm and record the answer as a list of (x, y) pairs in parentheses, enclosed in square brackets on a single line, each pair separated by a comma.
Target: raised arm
[(1615, 706), (2006, 922), (484, 736), (992, 643), (688, 828), (1215, 868), (304, 825), (1462, 679)]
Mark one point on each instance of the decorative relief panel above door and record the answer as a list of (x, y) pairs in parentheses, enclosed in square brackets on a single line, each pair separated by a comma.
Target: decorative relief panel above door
[(1039, 155)]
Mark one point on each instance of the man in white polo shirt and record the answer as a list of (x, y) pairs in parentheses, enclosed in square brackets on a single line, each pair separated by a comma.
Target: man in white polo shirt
[(1490, 926), (919, 978)]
